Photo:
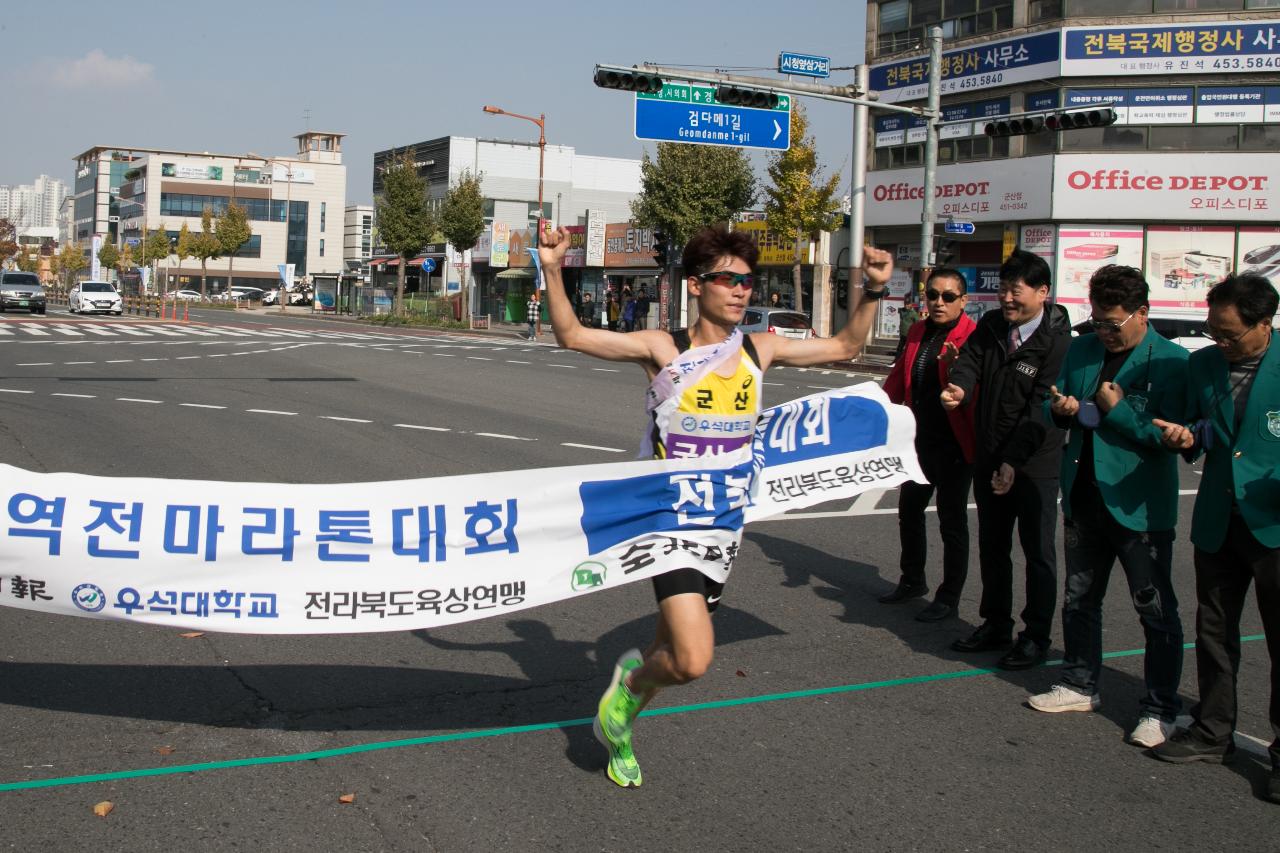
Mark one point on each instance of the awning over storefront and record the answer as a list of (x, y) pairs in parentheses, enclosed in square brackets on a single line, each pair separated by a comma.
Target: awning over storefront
[(516, 272)]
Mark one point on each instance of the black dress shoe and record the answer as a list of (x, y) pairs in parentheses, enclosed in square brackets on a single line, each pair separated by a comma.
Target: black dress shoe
[(904, 592), (936, 612), (984, 639), (1025, 654)]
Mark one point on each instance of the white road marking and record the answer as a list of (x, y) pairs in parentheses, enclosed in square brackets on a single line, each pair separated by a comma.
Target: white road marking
[(446, 354), (128, 331), (200, 406), (501, 435), (606, 369), (513, 361), (79, 396), (570, 366), (112, 361), (161, 330), (32, 330), (416, 426), (346, 420), (153, 359), (82, 362), (593, 447), (66, 330), (186, 357), (35, 364), (478, 358), (15, 391), (269, 412), (101, 331), (138, 400)]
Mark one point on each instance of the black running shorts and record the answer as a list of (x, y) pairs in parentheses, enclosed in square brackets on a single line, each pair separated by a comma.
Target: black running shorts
[(688, 580)]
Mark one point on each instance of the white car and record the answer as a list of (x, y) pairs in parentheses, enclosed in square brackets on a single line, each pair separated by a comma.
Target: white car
[(95, 296), (187, 295)]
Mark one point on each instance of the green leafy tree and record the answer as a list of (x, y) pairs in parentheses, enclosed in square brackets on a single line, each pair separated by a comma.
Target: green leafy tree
[(29, 261), (109, 256), (153, 249), (405, 219), (462, 219), (799, 203), (71, 260), (232, 230), (182, 249), (687, 187), (205, 247), (8, 239)]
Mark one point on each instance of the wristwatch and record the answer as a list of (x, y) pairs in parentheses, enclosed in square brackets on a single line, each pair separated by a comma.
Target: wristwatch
[(872, 295)]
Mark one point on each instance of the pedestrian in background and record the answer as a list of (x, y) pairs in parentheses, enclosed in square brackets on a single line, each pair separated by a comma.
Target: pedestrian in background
[(613, 311), (1013, 356), (628, 310), (532, 310), (587, 314), (908, 316), (1119, 497), (944, 446), (1235, 528), (642, 309)]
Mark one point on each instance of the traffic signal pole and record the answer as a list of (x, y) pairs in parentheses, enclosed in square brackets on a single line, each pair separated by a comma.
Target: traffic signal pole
[(858, 187), (932, 115)]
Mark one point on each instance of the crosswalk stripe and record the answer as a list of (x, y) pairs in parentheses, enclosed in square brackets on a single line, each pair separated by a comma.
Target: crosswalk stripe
[(126, 330), (160, 330), (65, 330), (4, 331), (101, 331), (188, 330), (35, 330)]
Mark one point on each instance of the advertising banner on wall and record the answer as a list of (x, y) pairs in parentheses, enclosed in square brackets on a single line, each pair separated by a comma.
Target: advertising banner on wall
[(1192, 47), (576, 254), (285, 173), (1184, 261), (775, 249), (1000, 191), (1082, 249), (1145, 186), (970, 69), (95, 265), (628, 246), (595, 238), (1039, 240), (499, 252), (1259, 251), (984, 289)]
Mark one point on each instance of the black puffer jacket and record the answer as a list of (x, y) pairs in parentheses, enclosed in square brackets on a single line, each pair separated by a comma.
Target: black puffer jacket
[(1010, 391)]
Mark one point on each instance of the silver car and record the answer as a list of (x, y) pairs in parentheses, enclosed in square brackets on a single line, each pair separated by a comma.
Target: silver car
[(779, 321), (22, 291)]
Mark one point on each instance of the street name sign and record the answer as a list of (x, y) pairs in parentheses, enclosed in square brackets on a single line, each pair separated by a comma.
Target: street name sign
[(683, 112), (804, 64), (955, 226)]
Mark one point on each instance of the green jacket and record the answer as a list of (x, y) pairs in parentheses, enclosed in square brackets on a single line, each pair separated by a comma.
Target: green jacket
[(1244, 461), (1137, 477)]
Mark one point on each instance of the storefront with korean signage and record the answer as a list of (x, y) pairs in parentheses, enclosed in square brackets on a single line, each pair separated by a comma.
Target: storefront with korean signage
[(775, 265)]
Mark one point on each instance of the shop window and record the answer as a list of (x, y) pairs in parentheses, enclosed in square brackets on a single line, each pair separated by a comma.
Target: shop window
[(1103, 138), (893, 16), (1261, 138), (1043, 10), (1262, 4), (1106, 8), (1202, 137)]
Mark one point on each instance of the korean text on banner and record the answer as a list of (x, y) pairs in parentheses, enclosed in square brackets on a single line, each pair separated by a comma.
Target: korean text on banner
[(422, 553)]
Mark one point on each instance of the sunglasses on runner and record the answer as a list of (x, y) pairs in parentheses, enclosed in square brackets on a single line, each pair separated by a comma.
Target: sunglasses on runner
[(724, 278), (947, 296)]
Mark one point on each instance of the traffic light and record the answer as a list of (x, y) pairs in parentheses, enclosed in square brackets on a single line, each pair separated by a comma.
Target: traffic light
[(661, 248), (944, 251), (1073, 119), (737, 97), (1089, 117), (628, 81)]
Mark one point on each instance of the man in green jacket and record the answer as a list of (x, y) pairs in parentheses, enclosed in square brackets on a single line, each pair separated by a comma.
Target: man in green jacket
[(1119, 496), (1234, 415)]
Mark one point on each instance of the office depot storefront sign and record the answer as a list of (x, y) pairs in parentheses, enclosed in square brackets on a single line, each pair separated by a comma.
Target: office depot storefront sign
[(996, 191), (1147, 186)]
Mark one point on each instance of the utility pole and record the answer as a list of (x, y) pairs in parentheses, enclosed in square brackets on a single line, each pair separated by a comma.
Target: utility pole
[(858, 185), (932, 115)]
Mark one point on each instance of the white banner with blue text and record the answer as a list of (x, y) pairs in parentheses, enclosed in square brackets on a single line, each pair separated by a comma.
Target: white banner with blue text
[(284, 558)]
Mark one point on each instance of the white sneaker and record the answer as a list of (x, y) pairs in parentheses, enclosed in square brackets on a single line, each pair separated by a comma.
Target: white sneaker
[(1063, 698), (1150, 732)]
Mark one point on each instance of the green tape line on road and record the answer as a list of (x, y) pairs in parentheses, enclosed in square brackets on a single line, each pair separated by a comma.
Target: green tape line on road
[(513, 730)]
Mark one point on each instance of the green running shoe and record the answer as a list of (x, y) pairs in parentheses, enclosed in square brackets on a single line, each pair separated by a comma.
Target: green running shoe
[(618, 707)]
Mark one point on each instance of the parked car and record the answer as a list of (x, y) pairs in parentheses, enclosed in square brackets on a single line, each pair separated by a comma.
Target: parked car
[(22, 290), (1186, 332), (95, 296), (271, 297), (247, 294), (187, 295), (780, 321)]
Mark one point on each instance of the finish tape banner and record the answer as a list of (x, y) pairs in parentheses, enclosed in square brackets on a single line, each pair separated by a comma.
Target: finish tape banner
[(277, 558)]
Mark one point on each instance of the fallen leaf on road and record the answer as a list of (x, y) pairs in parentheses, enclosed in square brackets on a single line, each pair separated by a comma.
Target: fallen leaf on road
[(191, 635), (103, 808), (741, 674), (347, 798), (165, 750)]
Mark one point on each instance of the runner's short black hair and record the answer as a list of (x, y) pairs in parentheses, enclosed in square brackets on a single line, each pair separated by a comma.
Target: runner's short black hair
[(1116, 284), (949, 272), (1253, 295), (1024, 266), (715, 242)]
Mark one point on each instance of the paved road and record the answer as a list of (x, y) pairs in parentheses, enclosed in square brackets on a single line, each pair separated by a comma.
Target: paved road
[(827, 722)]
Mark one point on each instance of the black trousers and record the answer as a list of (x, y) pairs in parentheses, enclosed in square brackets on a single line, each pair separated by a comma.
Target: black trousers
[(1222, 583), (1032, 504), (950, 476)]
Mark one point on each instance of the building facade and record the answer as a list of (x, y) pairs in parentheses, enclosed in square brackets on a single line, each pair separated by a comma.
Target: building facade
[(33, 205), (295, 206), (577, 190), (1185, 185), (357, 237)]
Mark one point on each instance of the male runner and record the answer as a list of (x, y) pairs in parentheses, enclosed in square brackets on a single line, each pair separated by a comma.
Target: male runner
[(719, 264)]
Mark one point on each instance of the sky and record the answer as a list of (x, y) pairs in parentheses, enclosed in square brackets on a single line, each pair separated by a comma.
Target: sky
[(231, 77)]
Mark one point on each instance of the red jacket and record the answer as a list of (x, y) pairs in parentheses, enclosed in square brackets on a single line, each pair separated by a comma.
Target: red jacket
[(898, 385)]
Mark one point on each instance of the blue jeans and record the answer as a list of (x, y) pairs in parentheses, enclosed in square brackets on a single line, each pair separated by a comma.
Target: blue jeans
[(1093, 541)]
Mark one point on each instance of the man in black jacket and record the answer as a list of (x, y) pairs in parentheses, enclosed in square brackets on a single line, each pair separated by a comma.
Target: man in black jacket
[(1011, 360)]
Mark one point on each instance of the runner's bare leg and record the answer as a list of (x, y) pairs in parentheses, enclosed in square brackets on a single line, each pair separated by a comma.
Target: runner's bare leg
[(683, 646)]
